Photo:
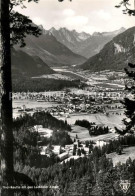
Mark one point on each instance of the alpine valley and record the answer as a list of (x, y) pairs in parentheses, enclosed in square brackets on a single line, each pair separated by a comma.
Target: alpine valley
[(83, 43), (115, 54)]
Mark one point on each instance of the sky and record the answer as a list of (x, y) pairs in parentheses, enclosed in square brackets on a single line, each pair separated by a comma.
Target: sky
[(82, 15)]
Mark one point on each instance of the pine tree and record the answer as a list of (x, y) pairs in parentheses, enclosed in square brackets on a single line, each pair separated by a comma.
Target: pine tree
[(127, 10), (6, 102), (21, 25), (9, 25), (129, 100)]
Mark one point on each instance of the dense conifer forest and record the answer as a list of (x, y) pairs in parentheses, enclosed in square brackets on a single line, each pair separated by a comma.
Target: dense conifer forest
[(24, 84), (89, 175)]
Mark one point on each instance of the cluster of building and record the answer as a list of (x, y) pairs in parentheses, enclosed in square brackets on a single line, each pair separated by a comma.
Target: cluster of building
[(92, 98), (79, 101), (74, 150), (39, 97)]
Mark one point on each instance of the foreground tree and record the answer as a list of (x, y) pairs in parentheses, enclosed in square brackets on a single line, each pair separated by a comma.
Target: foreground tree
[(20, 25), (6, 101), (10, 23), (129, 101), (127, 7), (14, 28)]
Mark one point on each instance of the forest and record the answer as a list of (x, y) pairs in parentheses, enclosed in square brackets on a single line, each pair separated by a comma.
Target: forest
[(25, 84), (91, 175), (28, 142)]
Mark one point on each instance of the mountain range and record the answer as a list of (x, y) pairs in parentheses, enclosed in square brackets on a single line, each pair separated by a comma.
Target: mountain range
[(46, 51), (115, 54), (51, 51), (83, 43)]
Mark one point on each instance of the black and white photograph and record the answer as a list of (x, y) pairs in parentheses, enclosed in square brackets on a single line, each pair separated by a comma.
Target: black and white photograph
[(67, 97)]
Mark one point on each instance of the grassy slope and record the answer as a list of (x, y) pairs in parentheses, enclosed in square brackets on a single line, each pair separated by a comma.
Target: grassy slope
[(127, 152)]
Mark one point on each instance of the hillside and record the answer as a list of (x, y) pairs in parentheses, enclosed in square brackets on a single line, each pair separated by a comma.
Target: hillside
[(25, 65), (115, 54), (51, 51), (83, 43)]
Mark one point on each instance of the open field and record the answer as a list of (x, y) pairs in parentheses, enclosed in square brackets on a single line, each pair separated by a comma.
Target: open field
[(57, 76), (110, 85), (71, 74), (100, 119), (83, 134), (127, 152), (33, 104)]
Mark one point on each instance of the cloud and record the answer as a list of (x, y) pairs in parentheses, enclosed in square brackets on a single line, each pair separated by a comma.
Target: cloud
[(93, 15), (77, 20), (69, 12), (103, 15), (37, 20)]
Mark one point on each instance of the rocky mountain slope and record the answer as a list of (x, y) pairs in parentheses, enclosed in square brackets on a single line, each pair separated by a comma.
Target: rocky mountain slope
[(115, 54), (83, 43), (51, 51)]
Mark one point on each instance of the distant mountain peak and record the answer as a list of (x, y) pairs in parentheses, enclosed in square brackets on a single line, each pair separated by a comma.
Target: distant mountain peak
[(123, 28), (41, 27), (112, 33), (63, 29), (74, 31), (52, 29), (96, 34)]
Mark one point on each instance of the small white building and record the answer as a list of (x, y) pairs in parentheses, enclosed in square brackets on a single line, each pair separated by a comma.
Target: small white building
[(101, 143), (63, 156), (38, 127), (56, 150), (43, 151), (112, 130), (86, 149), (23, 107), (68, 147), (44, 132)]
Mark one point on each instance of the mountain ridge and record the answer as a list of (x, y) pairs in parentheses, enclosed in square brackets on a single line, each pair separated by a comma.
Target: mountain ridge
[(50, 50), (83, 43), (115, 54)]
